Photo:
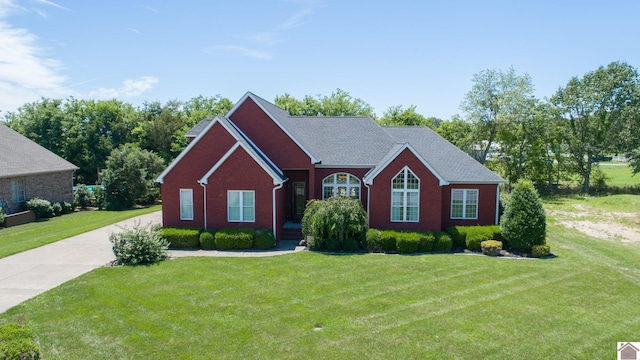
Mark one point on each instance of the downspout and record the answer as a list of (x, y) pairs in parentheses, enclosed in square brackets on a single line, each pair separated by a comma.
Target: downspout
[(368, 201), (275, 225), (497, 203), (204, 187)]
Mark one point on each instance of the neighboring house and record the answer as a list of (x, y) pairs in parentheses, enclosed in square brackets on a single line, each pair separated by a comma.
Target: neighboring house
[(28, 170), (257, 167)]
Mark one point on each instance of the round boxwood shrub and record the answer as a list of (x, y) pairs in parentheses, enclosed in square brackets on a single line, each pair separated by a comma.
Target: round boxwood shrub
[(407, 242), (83, 196), (234, 239), (67, 208), (182, 238), (388, 239), (491, 247), (57, 209), (40, 207), (538, 251), (207, 240), (372, 241), (443, 242), (264, 239), (523, 223), (426, 241)]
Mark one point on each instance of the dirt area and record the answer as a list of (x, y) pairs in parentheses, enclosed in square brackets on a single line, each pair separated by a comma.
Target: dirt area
[(609, 228)]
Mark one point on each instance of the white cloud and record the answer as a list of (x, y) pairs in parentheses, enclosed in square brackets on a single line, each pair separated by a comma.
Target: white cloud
[(26, 74), (134, 30), (51, 3), (129, 88), (257, 54)]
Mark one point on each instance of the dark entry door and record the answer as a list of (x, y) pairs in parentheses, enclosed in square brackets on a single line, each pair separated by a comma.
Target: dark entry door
[(299, 200)]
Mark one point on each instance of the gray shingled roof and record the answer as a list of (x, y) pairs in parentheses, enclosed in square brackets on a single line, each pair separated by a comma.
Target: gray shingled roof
[(20, 156), (194, 131), (453, 164)]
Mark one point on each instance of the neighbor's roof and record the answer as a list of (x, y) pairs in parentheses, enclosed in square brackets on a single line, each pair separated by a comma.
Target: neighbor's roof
[(21, 156)]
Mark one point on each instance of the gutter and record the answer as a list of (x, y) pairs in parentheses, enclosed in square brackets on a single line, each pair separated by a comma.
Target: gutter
[(368, 200), (275, 225), (204, 187)]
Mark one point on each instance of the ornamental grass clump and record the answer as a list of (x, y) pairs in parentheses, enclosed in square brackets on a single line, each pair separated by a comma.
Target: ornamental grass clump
[(139, 245)]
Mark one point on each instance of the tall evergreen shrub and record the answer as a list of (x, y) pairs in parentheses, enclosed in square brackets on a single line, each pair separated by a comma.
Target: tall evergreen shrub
[(523, 223)]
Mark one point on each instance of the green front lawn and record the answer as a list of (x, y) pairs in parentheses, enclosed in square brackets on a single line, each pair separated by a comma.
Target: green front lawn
[(316, 306), (28, 236)]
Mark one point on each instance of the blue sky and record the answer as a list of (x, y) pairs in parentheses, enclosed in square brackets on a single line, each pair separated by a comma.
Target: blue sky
[(401, 52)]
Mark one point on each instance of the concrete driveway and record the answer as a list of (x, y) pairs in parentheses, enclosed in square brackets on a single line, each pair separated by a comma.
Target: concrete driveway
[(32, 272)]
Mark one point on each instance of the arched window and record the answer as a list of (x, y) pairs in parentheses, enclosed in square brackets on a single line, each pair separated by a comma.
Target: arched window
[(341, 184), (405, 196)]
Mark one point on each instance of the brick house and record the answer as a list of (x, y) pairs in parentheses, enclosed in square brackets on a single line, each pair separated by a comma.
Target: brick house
[(258, 166), (28, 170)]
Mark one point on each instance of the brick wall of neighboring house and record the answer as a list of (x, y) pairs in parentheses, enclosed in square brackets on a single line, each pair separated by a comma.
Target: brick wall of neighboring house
[(55, 187)]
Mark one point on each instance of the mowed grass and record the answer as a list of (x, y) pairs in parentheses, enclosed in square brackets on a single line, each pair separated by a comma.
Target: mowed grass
[(28, 236), (317, 306), (619, 174)]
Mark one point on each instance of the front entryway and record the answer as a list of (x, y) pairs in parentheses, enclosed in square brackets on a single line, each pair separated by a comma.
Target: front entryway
[(299, 198)]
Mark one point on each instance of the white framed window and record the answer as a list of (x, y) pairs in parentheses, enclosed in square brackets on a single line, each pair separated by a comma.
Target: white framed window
[(241, 206), (405, 197), (18, 194), (464, 203), (186, 204), (341, 184)]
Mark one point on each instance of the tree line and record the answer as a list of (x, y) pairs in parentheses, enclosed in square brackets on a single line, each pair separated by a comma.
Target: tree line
[(503, 125)]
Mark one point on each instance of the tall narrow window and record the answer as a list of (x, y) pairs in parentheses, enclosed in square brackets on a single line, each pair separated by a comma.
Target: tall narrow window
[(18, 194), (464, 203), (186, 204), (341, 184), (241, 206), (405, 197)]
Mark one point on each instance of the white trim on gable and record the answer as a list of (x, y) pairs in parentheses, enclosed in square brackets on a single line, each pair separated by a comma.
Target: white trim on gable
[(160, 178), (368, 179), (205, 179), (249, 94)]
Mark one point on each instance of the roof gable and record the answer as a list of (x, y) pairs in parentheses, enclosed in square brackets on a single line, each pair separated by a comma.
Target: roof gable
[(241, 140), (22, 156), (276, 114), (392, 155)]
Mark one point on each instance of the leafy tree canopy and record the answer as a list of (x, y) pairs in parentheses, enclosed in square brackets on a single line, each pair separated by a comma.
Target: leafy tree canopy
[(339, 103)]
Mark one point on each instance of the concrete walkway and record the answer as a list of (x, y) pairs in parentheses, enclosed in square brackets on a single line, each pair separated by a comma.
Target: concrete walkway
[(32, 272)]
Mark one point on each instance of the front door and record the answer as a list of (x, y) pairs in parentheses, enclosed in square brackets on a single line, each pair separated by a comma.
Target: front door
[(299, 200)]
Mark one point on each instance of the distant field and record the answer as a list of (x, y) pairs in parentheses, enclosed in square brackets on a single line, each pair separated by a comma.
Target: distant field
[(619, 174)]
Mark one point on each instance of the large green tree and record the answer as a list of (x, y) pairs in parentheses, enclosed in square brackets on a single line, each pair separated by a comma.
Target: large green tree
[(496, 99), (339, 103), (599, 115), (129, 176), (399, 116), (458, 132)]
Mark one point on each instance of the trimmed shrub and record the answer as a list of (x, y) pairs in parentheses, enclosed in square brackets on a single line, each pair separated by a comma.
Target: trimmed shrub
[(18, 342), (523, 223), (139, 245), (350, 245), (458, 235), (426, 241), (476, 235), (264, 239), (83, 196), (538, 251), (57, 209), (373, 242), (407, 242), (388, 240), (67, 208), (443, 242), (40, 207), (207, 240), (491, 247), (234, 238), (2, 215), (182, 238)]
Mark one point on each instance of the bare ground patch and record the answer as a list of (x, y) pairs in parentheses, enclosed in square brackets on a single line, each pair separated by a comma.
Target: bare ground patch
[(608, 228)]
